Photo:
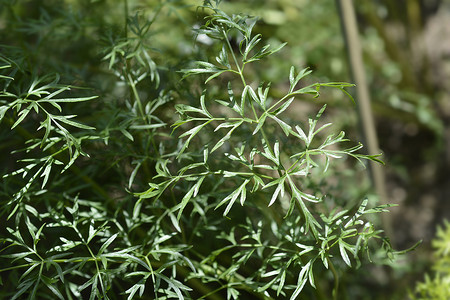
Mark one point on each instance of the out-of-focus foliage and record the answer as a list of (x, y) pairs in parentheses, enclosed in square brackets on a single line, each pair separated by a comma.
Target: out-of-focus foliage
[(437, 286)]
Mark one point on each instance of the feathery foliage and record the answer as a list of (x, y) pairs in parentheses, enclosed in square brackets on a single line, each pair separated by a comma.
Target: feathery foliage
[(107, 194)]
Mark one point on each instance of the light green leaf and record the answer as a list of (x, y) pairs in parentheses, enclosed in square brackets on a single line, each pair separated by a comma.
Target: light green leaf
[(147, 126), (302, 278), (3, 110), (235, 125), (107, 243), (279, 190), (48, 126), (203, 105), (22, 115), (294, 81), (127, 134), (231, 198), (193, 191), (65, 119), (344, 255), (284, 126), (261, 121), (48, 282), (192, 132), (283, 106), (218, 73)]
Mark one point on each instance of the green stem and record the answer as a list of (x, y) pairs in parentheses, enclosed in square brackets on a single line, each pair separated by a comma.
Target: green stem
[(241, 74), (302, 91), (136, 97), (336, 279), (241, 71), (125, 4), (16, 267)]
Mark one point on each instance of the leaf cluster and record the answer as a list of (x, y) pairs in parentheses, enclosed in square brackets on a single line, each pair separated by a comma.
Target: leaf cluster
[(106, 200), (436, 286)]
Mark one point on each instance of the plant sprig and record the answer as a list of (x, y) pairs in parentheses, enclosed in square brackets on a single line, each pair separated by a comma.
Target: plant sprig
[(262, 166)]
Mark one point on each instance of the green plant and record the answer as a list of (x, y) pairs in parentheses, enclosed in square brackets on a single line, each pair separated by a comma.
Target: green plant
[(127, 208), (438, 286)]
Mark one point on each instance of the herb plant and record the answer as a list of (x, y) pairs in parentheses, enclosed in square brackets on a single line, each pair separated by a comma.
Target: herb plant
[(437, 286), (106, 200)]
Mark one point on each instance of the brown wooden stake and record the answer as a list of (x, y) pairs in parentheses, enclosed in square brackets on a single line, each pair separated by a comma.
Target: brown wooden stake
[(354, 52)]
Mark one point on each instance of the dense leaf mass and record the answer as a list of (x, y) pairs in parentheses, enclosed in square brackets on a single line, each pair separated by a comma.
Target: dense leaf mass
[(137, 164)]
